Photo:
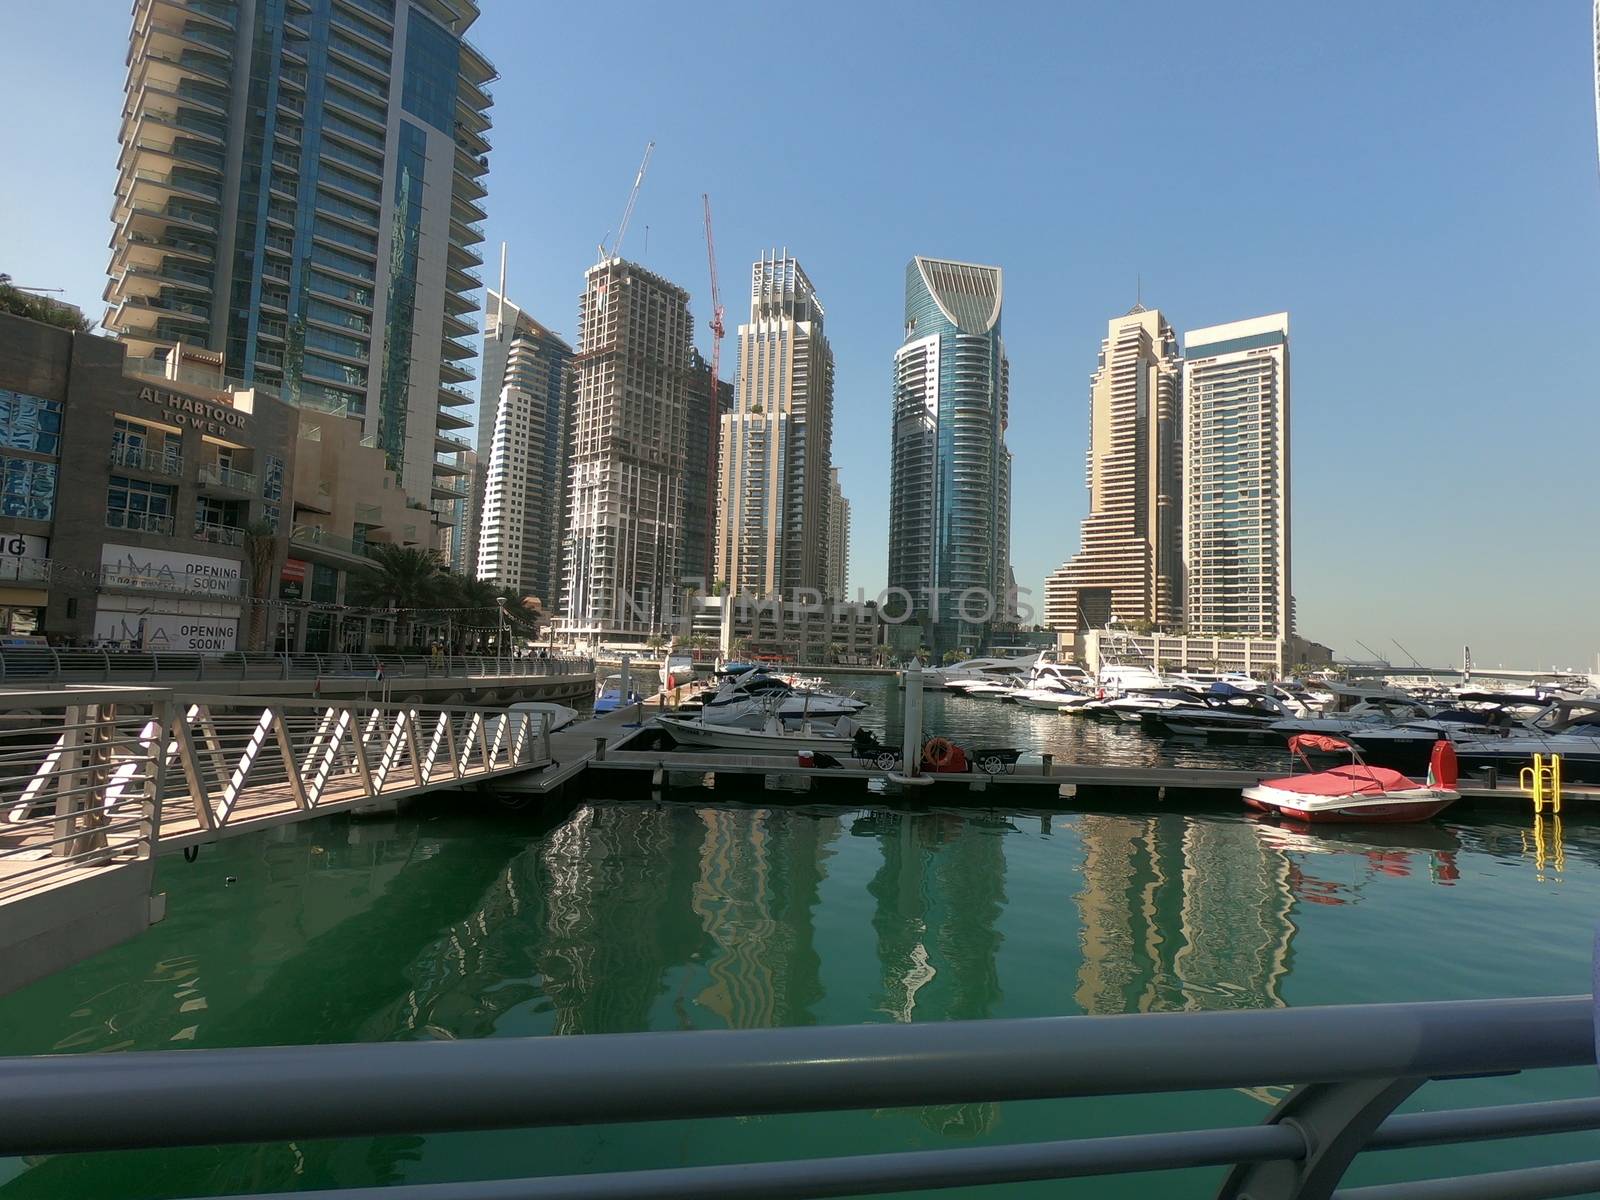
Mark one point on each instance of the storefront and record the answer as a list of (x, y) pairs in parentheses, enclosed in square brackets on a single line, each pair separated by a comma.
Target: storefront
[(160, 600)]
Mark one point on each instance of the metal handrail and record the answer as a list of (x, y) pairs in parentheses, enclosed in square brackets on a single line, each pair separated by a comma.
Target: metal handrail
[(46, 664), (174, 1098), (104, 773)]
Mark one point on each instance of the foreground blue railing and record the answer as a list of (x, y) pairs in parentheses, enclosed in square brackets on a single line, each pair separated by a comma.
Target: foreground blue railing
[(1355, 1064)]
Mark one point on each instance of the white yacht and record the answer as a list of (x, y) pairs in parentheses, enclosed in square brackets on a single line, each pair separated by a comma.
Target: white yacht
[(749, 698), (676, 669), (981, 670), (1052, 685)]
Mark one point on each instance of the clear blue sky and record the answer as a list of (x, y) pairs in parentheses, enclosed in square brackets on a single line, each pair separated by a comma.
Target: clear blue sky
[(1415, 183)]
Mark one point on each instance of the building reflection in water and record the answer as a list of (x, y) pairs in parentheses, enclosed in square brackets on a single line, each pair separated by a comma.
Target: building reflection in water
[(1179, 914), (938, 899), (760, 878)]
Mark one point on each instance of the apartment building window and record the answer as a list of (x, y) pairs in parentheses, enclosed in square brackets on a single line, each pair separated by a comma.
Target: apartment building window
[(138, 505), (29, 422), (27, 488), (433, 63)]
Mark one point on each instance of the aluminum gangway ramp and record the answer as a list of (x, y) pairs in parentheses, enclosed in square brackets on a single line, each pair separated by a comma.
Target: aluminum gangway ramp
[(95, 782)]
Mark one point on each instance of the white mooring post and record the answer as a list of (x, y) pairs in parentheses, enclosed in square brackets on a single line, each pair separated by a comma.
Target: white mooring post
[(911, 746)]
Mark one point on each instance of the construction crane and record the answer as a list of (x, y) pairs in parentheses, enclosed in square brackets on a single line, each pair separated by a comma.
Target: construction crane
[(713, 449), (627, 213)]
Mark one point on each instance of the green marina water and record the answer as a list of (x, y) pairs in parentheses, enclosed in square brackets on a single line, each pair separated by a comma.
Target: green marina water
[(464, 920)]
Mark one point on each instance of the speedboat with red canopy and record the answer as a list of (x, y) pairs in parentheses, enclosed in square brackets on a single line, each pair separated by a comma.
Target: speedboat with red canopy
[(1356, 792)]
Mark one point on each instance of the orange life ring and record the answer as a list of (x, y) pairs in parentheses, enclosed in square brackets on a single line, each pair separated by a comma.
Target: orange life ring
[(941, 754)]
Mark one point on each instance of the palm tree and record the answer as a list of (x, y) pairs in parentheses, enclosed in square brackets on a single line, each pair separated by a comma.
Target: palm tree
[(261, 556), (479, 597), (404, 578)]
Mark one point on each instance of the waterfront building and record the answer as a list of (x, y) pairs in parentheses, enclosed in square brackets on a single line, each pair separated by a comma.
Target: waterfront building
[(772, 487), (838, 585), (1262, 657), (457, 543), (519, 525), (623, 546), (1236, 479), (701, 471), (795, 630), (178, 474), (1129, 564), (950, 471), (299, 192)]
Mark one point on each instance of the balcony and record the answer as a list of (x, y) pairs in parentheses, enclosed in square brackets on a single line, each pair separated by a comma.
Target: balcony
[(151, 462), (314, 538), (159, 524), (229, 479), (217, 534)]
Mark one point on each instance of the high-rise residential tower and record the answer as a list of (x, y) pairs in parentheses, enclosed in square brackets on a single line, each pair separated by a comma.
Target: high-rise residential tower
[(623, 547), (838, 585), (1129, 566), (950, 471), (520, 520), (300, 190), (1236, 478), (772, 498), (700, 472)]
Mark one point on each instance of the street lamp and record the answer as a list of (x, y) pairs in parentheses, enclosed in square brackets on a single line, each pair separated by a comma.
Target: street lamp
[(505, 628)]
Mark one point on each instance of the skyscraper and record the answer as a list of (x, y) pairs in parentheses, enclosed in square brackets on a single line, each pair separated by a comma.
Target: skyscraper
[(1129, 565), (838, 585), (700, 471), (299, 189), (519, 524), (772, 497), (1236, 478), (950, 471), (623, 546)]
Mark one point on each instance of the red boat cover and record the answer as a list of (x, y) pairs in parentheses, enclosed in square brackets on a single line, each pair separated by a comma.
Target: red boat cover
[(1343, 781), (1317, 741)]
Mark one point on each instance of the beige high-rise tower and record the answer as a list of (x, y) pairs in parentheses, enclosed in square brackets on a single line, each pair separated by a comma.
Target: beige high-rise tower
[(1236, 479), (629, 435), (772, 485), (1129, 567)]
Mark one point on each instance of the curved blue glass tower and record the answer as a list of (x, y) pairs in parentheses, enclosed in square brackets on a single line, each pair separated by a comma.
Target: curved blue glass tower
[(950, 482)]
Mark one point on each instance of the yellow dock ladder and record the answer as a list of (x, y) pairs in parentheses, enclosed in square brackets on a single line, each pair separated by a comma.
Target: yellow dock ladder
[(1542, 782)]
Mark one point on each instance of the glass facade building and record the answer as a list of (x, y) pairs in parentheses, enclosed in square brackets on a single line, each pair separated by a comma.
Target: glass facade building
[(299, 191), (950, 470)]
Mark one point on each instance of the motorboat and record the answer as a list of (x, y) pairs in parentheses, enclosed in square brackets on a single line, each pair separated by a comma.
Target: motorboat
[(1050, 685), (1133, 704), (1569, 727), (980, 670), (677, 669), (773, 736), (1222, 712), (609, 697), (1357, 791), (750, 697), (998, 690)]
